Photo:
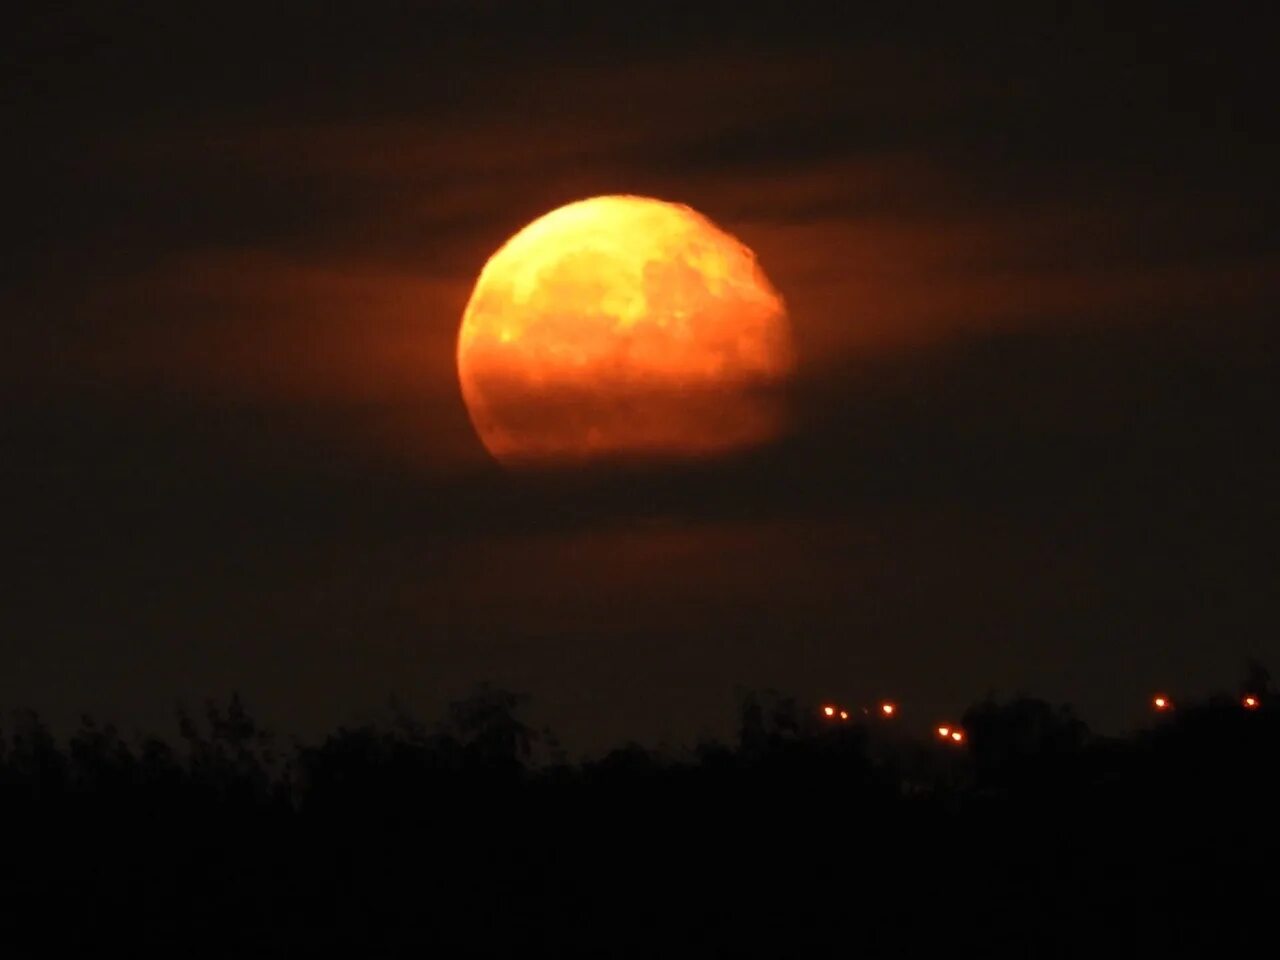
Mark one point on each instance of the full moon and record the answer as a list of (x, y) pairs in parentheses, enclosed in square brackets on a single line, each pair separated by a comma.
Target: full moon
[(623, 327)]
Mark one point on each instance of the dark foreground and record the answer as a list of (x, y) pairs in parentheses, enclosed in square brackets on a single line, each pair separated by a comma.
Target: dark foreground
[(803, 839)]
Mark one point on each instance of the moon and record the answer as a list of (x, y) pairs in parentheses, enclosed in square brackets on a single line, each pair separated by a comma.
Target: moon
[(623, 328)]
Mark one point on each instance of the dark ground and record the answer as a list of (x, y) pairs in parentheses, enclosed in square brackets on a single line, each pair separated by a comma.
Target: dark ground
[(1035, 838)]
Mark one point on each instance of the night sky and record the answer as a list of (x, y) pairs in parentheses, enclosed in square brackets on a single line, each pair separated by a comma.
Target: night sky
[(1030, 260)]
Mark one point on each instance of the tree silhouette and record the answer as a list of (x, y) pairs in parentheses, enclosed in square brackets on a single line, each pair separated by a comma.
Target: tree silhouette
[(801, 836), (767, 720), (488, 730), (1021, 741)]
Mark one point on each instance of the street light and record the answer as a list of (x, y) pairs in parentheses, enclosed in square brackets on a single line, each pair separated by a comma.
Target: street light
[(950, 734)]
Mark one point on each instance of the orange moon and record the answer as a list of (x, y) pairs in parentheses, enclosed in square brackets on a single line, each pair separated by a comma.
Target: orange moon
[(623, 327)]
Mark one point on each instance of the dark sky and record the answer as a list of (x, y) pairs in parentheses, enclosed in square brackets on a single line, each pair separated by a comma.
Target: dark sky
[(1031, 262)]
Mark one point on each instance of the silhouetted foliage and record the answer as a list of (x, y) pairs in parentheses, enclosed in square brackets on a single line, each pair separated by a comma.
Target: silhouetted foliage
[(1033, 837), (1023, 742), (488, 731)]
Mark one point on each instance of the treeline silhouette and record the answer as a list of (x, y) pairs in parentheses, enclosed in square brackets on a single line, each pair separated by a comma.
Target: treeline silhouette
[(474, 835)]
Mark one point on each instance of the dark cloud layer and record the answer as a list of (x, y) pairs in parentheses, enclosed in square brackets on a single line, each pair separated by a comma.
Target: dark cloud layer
[(1029, 260)]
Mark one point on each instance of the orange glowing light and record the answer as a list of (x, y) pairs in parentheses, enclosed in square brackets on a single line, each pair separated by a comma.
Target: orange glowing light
[(888, 709), (829, 711), (944, 732), (1251, 703), (957, 736), (844, 714), (623, 327), (1161, 702)]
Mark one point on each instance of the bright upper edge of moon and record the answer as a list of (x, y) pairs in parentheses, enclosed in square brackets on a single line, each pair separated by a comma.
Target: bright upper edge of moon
[(623, 328)]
